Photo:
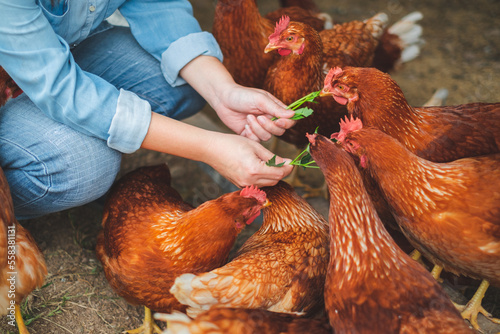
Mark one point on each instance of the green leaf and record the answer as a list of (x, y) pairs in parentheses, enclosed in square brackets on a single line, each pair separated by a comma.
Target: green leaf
[(272, 162), (300, 113), (304, 159), (308, 98)]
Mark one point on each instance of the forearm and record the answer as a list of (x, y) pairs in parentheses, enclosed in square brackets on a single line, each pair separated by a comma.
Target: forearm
[(238, 159), (174, 137)]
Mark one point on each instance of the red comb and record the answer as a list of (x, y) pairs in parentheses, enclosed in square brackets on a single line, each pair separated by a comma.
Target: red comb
[(280, 26), (332, 74), (311, 138), (347, 126), (253, 191)]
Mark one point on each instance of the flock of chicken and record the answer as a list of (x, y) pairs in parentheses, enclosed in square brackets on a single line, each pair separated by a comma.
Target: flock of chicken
[(432, 173)]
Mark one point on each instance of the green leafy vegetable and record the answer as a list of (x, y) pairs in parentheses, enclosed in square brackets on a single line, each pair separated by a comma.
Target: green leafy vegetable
[(304, 159), (302, 112)]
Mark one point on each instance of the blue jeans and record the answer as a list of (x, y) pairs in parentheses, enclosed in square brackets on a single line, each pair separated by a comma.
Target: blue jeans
[(51, 167)]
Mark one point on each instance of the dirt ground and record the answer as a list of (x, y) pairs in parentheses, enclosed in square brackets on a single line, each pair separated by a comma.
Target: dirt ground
[(462, 54)]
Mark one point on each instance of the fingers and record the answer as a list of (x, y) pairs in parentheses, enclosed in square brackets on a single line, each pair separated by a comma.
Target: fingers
[(263, 128), (247, 132)]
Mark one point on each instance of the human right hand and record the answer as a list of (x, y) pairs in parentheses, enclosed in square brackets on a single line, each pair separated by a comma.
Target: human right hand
[(243, 161)]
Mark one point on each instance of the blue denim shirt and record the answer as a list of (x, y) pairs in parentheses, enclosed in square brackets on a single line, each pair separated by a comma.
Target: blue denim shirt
[(35, 42)]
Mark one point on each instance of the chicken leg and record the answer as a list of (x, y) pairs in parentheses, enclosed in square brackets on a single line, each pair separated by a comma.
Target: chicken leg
[(473, 307), (20, 322), (148, 327)]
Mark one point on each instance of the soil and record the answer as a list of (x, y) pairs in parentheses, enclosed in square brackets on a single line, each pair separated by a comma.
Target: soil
[(461, 53)]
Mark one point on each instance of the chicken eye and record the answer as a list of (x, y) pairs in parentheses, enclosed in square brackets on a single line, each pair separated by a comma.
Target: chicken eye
[(289, 38), (340, 87)]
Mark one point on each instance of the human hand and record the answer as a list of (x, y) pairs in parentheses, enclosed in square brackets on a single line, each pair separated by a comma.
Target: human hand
[(243, 161), (248, 112)]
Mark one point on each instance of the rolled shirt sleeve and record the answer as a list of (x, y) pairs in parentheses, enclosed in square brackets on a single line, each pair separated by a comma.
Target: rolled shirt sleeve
[(169, 31)]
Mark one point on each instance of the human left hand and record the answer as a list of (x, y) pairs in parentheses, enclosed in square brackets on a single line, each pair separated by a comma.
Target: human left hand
[(248, 112)]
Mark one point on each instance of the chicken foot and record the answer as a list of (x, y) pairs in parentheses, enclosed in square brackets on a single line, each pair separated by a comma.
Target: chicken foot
[(473, 307), (20, 322), (148, 327)]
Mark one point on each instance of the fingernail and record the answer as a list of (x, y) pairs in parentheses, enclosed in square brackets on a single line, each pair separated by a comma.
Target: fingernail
[(280, 123)]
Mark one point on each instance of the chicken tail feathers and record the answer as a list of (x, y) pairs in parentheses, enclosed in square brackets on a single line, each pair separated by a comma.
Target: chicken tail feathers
[(377, 24), (410, 35)]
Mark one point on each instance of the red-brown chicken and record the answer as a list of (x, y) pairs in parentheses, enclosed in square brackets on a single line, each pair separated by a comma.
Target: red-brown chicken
[(440, 134), (22, 265), (300, 69), (242, 32), (449, 211), (372, 286), (150, 235), (280, 268), (8, 88), (243, 321)]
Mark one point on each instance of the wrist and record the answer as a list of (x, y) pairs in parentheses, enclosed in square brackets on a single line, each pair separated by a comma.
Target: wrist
[(208, 77)]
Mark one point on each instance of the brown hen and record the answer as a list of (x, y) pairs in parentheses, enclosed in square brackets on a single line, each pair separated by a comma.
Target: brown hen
[(449, 211), (242, 31), (22, 265), (280, 268), (150, 235), (439, 134), (372, 286)]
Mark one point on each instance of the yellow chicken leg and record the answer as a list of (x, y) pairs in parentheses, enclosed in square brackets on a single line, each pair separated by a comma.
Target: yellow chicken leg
[(148, 327), (20, 322), (415, 255), (473, 307), (436, 273)]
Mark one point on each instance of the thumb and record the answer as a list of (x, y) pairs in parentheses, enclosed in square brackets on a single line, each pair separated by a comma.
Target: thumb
[(277, 108), (272, 159)]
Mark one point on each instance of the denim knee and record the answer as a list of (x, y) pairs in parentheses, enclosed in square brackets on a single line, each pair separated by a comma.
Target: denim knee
[(62, 176)]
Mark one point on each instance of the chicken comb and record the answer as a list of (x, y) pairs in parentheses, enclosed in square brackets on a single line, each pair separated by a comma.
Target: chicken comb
[(334, 73), (347, 126), (280, 26), (253, 191)]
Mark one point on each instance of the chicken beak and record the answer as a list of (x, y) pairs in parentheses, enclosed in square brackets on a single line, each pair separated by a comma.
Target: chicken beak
[(270, 47), (267, 203), (324, 92)]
